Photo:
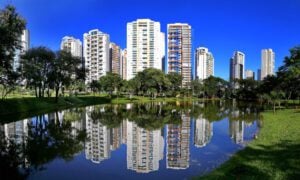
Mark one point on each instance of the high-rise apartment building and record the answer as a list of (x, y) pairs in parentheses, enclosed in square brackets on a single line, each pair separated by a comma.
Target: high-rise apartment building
[(179, 51), (250, 74), (237, 66), (96, 54), (267, 63), (204, 63), (24, 43), (124, 64), (72, 45), (145, 46), (115, 58)]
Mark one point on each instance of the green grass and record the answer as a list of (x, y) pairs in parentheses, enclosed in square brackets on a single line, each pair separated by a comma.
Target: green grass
[(274, 155)]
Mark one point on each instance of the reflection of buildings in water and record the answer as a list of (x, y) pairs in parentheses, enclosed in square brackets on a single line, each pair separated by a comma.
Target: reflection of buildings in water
[(97, 147), (203, 132), (124, 131), (144, 148), (17, 132), (178, 152), (128, 106), (236, 127), (237, 131), (116, 138)]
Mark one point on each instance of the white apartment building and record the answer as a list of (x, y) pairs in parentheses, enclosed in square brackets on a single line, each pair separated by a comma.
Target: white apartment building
[(96, 54), (237, 66), (249, 74), (24, 43), (204, 63), (267, 63), (72, 45), (145, 46)]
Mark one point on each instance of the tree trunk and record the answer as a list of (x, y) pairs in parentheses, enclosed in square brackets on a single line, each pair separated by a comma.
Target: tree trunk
[(35, 90), (56, 93)]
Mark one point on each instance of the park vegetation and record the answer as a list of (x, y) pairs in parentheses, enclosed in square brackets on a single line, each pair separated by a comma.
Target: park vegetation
[(45, 73)]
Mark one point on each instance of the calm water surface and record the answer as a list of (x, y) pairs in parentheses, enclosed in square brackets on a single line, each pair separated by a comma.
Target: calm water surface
[(130, 141)]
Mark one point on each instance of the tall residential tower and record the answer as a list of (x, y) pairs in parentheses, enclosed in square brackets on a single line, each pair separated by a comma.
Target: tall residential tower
[(145, 46), (179, 51), (204, 63), (115, 58), (24, 43), (72, 45), (267, 63), (96, 54), (237, 66)]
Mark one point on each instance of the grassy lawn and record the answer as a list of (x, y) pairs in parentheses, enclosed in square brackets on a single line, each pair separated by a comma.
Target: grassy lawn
[(274, 155)]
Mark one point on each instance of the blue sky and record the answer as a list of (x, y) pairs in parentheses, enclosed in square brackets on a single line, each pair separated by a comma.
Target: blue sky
[(221, 25)]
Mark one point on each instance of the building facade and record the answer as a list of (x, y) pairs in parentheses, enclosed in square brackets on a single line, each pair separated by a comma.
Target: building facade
[(24, 43), (145, 46), (237, 65), (72, 45), (124, 64), (267, 63), (258, 74), (115, 58), (179, 51), (250, 74), (204, 66), (96, 54)]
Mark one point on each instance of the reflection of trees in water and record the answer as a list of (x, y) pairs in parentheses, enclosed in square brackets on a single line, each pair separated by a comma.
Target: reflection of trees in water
[(46, 140), (61, 134)]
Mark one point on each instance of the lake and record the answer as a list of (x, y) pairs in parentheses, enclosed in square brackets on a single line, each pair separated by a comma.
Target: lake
[(157, 140)]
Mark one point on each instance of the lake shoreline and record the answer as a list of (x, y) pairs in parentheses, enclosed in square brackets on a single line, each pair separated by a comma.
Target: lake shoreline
[(271, 155), (19, 108)]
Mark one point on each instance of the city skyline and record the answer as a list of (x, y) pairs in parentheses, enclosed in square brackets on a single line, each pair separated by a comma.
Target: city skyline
[(85, 16)]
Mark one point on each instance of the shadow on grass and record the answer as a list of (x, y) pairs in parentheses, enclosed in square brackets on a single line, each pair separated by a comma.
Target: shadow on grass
[(279, 161)]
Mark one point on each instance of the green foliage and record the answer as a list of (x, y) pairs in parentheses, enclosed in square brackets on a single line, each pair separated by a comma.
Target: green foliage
[(111, 82), (11, 28), (215, 87), (36, 68)]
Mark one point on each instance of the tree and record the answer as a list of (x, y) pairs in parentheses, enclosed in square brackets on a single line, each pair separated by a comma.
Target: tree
[(95, 86), (175, 82), (63, 67), (36, 66), (111, 82), (215, 86), (151, 79), (11, 28), (197, 87), (289, 73), (247, 89)]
